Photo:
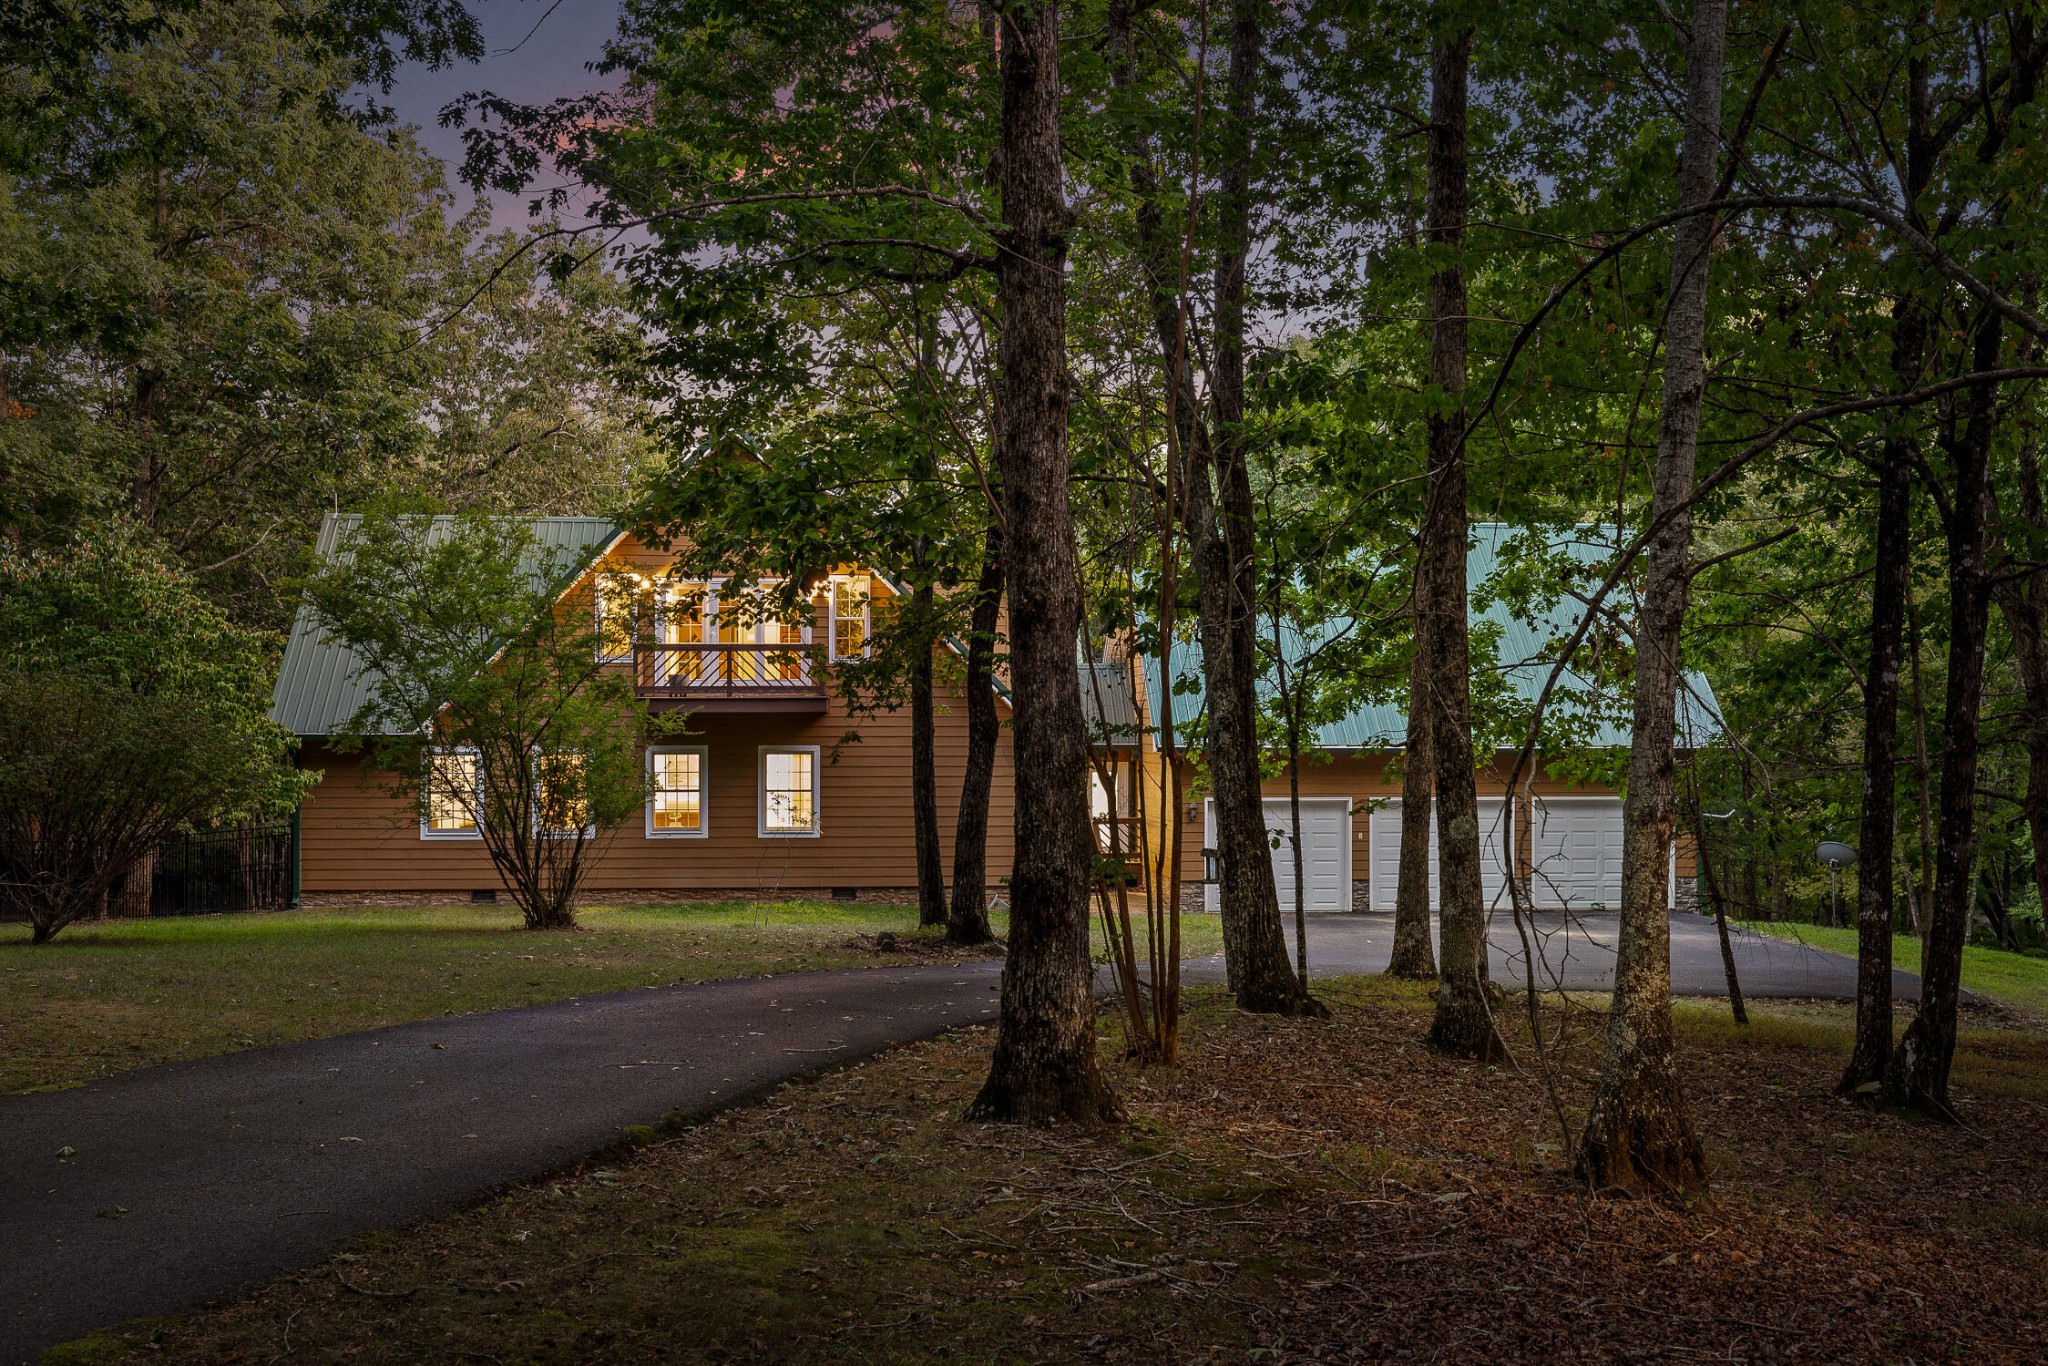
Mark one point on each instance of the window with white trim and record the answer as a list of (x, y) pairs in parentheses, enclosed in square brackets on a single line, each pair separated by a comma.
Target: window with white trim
[(452, 797), (789, 790), (678, 791), (561, 805), (849, 598), (615, 596)]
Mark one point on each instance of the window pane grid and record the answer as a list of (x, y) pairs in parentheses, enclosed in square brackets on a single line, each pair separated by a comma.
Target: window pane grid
[(790, 802), (678, 792), (562, 808), (452, 794)]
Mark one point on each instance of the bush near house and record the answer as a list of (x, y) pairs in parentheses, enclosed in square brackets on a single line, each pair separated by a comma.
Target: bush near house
[(131, 708)]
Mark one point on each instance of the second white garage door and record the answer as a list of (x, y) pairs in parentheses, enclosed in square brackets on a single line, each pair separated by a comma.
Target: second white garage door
[(1575, 844), (1325, 852), (1386, 855)]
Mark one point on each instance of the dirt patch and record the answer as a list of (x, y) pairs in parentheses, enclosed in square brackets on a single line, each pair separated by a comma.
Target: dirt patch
[(1296, 1192)]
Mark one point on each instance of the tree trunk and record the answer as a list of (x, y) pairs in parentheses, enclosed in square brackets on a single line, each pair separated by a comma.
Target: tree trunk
[(2022, 599), (1920, 1063), (1923, 895), (1044, 1069), (1413, 956), (1463, 1024), (2023, 609), (1891, 581), (924, 778), (1290, 708), (1889, 585), (967, 921), (1638, 1130), (1254, 948)]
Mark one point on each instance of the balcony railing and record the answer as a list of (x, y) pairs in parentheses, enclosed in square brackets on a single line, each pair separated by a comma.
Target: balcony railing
[(1119, 836), (728, 673)]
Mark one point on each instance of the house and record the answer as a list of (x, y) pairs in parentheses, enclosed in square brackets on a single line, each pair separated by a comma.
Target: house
[(759, 795), (1567, 833)]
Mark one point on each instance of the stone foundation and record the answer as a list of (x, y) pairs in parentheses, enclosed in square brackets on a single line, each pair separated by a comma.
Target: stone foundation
[(1687, 897)]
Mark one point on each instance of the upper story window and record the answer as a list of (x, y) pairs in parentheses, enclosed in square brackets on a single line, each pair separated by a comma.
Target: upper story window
[(616, 597), (684, 606), (452, 802), (852, 614), (789, 790)]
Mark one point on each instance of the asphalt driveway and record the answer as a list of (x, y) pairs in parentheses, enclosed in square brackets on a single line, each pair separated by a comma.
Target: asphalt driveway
[(1576, 953), (160, 1189), (193, 1181)]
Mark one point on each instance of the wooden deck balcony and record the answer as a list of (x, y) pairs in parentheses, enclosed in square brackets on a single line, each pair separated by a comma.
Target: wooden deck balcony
[(729, 677)]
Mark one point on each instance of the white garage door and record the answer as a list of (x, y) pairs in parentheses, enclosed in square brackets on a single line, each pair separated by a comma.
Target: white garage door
[(1386, 855), (1325, 852), (1575, 844)]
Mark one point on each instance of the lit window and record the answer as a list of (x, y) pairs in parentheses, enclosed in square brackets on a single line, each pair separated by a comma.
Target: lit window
[(454, 794), (789, 791), (675, 804), (614, 594), (849, 609), (561, 806)]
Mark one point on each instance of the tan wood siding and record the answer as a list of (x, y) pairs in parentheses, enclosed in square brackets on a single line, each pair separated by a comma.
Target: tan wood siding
[(357, 836)]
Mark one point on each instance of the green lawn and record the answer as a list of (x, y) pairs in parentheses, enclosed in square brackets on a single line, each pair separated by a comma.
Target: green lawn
[(2013, 978), (110, 996)]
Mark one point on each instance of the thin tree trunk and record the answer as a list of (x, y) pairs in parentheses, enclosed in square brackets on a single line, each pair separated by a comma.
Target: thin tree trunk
[(1923, 896), (1189, 446), (1891, 581), (1638, 1129), (2030, 654), (1044, 1069), (2023, 602), (1289, 707), (924, 778), (1254, 947), (1463, 1022), (967, 920), (1889, 585), (1920, 1064), (1413, 955)]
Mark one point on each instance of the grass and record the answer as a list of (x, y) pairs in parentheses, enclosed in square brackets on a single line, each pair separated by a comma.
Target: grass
[(1295, 1190), (114, 995), (2013, 978)]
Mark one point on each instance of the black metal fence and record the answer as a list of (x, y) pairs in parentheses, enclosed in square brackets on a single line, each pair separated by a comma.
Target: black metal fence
[(246, 868)]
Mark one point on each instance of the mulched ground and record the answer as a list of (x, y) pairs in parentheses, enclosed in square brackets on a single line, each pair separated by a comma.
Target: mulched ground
[(1294, 1191)]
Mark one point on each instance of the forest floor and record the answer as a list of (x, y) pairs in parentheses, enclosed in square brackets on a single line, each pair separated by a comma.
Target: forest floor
[(2015, 979), (1293, 1191), (107, 996)]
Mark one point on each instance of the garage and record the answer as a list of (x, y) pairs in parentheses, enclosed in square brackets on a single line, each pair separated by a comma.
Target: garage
[(1386, 854), (1325, 852), (1575, 847)]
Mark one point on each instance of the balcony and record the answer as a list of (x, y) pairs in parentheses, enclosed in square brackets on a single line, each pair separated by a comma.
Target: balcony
[(729, 677)]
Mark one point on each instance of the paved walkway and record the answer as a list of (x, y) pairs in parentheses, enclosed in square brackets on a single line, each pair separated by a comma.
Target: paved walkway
[(195, 1181)]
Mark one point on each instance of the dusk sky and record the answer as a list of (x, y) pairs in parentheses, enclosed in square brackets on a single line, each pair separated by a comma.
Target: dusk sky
[(552, 61)]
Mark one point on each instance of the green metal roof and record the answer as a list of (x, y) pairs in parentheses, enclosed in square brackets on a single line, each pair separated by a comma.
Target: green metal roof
[(1108, 704), (1524, 656), (321, 684)]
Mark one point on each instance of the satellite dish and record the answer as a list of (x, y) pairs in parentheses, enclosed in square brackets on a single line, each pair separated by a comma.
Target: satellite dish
[(1835, 854)]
